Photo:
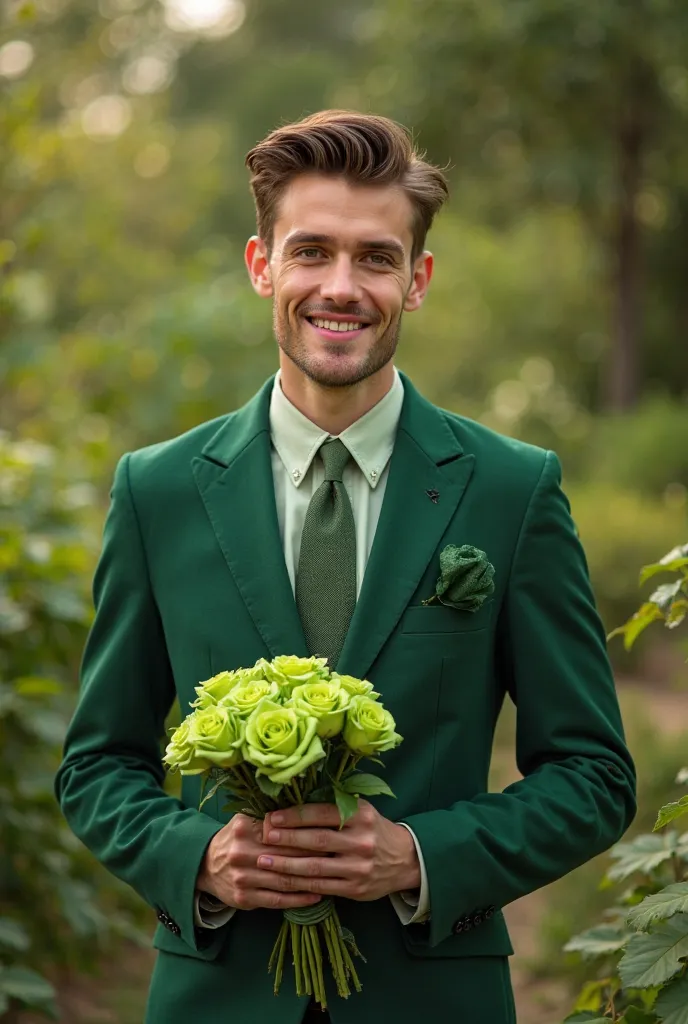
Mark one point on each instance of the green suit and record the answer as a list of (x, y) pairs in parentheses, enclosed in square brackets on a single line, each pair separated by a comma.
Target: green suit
[(192, 580)]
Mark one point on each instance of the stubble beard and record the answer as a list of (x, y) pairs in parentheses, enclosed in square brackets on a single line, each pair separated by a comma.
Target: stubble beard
[(378, 355)]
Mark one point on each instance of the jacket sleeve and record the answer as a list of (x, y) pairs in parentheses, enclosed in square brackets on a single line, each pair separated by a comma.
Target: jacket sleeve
[(109, 783), (577, 794)]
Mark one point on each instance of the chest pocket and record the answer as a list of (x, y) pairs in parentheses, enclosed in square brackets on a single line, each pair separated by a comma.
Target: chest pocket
[(438, 618)]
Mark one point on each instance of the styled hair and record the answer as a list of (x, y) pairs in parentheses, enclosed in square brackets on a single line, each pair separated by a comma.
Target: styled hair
[(365, 149)]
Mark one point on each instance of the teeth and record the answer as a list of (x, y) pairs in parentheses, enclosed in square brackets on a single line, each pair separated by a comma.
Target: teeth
[(336, 325)]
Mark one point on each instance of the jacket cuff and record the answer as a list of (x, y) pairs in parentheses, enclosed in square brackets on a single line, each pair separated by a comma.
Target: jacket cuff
[(210, 912), (412, 905)]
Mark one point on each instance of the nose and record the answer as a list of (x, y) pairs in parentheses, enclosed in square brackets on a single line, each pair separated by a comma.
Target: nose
[(339, 284)]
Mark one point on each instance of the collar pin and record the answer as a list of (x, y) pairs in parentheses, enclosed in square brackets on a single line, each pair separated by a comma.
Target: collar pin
[(434, 496)]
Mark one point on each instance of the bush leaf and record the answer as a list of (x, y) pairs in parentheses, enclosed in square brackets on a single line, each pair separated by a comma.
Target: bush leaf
[(13, 935), (362, 784), (268, 787), (670, 812), (653, 958), (672, 1002), (27, 986), (659, 906), (643, 855), (603, 940)]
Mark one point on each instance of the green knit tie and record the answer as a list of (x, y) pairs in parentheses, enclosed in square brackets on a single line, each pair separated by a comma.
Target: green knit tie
[(326, 576)]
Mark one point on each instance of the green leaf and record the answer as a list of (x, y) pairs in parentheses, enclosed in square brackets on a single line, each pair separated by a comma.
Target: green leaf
[(321, 795), (362, 784), (672, 1002), (659, 906), (36, 686), (644, 854), (586, 1018), (634, 1015), (27, 986), (670, 812), (640, 620), (347, 804), (592, 996), (603, 940), (212, 791), (675, 561), (665, 594), (651, 959), (13, 935), (267, 786)]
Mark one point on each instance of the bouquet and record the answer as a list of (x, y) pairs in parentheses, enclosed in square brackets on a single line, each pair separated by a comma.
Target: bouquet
[(286, 732)]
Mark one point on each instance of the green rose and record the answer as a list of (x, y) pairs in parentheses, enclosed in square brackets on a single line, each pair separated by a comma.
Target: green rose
[(369, 727), (466, 578), (325, 700), (246, 696), (289, 671), (216, 735), (356, 687), (213, 690), (281, 741), (180, 755)]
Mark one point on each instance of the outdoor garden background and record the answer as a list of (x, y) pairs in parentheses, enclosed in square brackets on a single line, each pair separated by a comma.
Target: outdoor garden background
[(558, 314)]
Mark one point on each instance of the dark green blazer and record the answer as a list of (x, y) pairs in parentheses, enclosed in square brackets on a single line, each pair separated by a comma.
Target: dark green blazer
[(192, 580)]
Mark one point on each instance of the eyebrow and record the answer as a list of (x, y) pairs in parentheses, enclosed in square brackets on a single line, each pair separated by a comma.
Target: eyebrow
[(385, 244)]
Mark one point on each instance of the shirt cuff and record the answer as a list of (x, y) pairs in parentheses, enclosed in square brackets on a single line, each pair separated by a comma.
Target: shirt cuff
[(413, 906), (209, 912)]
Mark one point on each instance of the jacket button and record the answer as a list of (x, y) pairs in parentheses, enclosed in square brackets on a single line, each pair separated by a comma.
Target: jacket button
[(458, 926), (489, 913), (174, 928), (477, 919)]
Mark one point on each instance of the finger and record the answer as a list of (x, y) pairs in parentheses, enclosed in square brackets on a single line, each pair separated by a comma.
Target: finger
[(273, 900), (310, 867), (304, 816), (320, 840)]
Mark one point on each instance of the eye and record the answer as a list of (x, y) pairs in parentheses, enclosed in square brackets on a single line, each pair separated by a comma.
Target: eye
[(379, 259), (309, 252)]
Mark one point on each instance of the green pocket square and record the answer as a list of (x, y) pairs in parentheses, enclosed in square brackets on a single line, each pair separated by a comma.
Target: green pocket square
[(466, 578)]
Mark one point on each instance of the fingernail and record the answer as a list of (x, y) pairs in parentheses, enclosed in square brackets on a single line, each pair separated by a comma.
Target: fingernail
[(274, 836), (265, 862), (276, 818)]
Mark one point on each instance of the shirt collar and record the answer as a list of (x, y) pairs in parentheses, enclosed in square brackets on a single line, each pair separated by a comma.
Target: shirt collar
[(370, 439)]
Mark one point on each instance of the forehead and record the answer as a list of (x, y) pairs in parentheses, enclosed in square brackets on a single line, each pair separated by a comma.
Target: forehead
[(350, 213)]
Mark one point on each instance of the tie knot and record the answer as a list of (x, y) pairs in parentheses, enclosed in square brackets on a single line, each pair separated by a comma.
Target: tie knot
[(335, 456)]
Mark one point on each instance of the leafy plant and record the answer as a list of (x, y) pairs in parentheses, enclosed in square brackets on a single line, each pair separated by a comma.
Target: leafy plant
[(640, 949), (57, 906)]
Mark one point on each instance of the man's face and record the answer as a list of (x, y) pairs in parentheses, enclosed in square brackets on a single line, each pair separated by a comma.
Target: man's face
[(340, 276)]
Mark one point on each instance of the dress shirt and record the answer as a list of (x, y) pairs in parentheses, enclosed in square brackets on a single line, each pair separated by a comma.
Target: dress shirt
[(296, 476)]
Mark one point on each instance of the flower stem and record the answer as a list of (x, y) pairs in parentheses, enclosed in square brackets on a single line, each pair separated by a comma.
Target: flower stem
[(342, 765)]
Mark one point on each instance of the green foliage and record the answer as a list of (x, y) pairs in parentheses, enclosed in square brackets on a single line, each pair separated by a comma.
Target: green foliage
[(642, 948), (57, 905)]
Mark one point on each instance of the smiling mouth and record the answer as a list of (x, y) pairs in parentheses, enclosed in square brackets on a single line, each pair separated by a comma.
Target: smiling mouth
[(337, 326)]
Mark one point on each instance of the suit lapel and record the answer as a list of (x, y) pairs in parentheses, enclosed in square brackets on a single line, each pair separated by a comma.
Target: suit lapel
[(234, 478), (427, 457)]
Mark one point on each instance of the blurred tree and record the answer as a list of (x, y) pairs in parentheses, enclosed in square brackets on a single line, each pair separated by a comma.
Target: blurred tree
[(580, 102)]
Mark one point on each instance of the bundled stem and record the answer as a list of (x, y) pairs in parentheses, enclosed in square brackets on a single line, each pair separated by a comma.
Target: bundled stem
[(304, 930)]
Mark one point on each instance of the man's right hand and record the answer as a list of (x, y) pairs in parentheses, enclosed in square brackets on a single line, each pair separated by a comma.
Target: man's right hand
[(229, 870)]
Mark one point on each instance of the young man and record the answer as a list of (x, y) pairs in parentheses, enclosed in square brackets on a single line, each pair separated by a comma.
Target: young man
[(311, 521)]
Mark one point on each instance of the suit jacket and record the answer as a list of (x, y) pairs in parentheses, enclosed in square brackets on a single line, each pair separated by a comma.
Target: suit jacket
[(192, 580)]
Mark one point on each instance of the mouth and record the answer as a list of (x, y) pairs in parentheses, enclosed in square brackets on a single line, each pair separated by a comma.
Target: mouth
[(337, 329)]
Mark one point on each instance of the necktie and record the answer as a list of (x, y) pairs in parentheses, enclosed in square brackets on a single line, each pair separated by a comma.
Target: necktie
[(326, 575)]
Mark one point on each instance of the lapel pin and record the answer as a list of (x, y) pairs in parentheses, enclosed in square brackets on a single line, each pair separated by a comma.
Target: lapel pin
[(434, 496)]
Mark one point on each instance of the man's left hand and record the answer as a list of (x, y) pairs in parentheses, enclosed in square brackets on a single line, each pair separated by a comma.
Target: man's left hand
[(368, 858)]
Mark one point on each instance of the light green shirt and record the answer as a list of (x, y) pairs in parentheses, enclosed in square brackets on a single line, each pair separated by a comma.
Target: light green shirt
[(297, 474)]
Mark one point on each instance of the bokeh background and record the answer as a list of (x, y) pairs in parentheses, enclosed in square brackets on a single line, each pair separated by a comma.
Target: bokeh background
[(558, 314)]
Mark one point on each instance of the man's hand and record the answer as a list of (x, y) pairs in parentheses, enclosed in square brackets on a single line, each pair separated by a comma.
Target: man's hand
[(368, 858), (230, 872)]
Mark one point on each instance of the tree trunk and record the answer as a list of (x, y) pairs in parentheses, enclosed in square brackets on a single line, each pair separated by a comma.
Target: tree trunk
[(623, 370)]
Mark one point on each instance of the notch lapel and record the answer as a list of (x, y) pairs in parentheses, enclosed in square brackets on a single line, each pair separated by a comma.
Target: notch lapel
[(234, 477), (427, 457)]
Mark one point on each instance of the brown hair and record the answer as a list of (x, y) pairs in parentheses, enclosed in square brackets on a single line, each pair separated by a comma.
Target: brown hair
[(364, 148)]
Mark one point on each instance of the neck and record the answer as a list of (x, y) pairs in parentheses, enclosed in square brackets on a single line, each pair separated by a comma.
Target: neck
[(334, 408)]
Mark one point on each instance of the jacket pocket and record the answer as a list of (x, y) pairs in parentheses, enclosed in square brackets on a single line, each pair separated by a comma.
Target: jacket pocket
[(438, 618)]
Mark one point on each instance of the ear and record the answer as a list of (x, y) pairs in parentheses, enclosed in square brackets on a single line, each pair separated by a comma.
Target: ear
[(258, 266), (422, 273)]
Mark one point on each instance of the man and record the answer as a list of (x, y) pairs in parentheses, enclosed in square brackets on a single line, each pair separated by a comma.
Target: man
[(310, 522)]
